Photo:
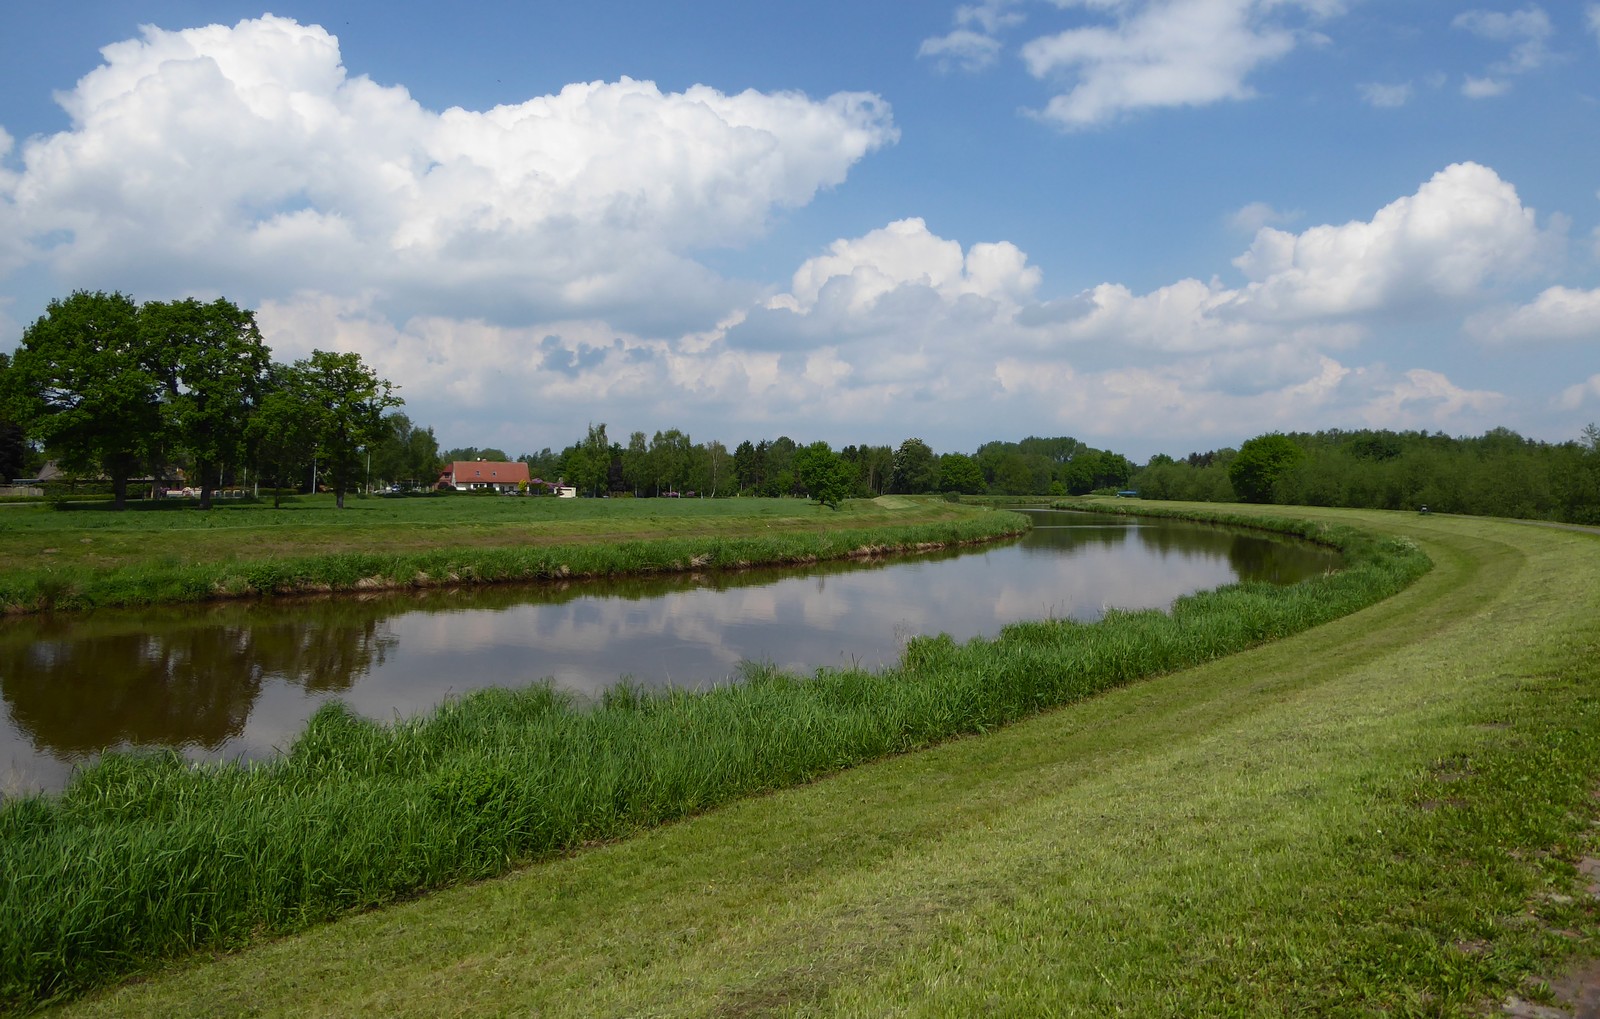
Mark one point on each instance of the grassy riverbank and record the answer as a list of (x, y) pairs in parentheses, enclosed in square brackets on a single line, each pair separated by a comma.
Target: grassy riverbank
[(142, 859), (1376, 816), (84, 557)]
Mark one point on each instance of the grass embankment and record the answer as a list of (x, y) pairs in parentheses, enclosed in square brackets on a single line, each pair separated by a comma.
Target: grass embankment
[(84, 557), (145, 858), (1376, 816)]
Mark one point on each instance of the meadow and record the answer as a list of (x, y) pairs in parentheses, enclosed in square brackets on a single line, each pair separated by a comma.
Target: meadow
[(84, 556), (148, 858)]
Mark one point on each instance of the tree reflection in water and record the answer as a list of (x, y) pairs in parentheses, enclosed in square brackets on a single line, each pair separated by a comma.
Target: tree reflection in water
[(185, 678)]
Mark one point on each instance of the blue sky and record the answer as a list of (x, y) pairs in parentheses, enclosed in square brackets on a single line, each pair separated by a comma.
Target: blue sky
[(1156, 225)]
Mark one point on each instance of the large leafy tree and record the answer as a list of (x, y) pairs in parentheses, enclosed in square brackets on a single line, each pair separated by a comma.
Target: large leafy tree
[(1260, 463), (915, 469), (669, 460), (405, 452), (281, 435), (826, 477), (13, 443), (345, 401), (84, 383), (212, 367), (958, 472)]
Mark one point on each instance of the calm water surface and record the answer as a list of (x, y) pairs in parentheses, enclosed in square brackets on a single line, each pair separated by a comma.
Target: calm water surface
[(240, 680)]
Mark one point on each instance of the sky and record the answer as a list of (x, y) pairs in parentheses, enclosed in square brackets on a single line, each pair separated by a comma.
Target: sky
[(1159, 226)]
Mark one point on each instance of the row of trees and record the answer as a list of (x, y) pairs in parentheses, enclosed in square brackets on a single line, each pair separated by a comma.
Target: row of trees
[(1499, 473), (113, 388), (670, 462)]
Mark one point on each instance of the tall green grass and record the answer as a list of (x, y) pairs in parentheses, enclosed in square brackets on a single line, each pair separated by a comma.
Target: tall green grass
[(147, 857)]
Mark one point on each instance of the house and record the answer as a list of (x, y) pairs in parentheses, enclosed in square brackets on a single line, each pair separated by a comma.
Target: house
[(472, 475)]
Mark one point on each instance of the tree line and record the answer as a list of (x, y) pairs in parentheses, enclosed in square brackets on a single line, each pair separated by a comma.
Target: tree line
[(670, 463), (1499, 473), (112, 388)]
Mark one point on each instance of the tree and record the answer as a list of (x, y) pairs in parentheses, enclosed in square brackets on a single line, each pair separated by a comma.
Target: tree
[(404, 452), (1014, 476), (82, 382), (874, 467), (211, 364), (345, 401), (745, 475), (958, 472), (914, 468), (1261, 461), (636, 463), (778, 468), (587, 465), (826, 477), (669, 459), (467, 453), (13, 442), (281, 436)]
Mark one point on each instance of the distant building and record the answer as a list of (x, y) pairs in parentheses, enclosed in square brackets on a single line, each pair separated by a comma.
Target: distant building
[(471, 475), (556, 488)]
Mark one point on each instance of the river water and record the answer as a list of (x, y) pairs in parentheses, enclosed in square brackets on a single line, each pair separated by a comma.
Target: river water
[(239, 680)]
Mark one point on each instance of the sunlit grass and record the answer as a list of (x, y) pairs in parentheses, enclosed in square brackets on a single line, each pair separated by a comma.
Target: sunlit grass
[(145, 858)]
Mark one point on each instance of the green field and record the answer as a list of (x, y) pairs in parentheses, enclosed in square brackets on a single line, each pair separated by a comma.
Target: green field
[(85, 556), (1380, 815)]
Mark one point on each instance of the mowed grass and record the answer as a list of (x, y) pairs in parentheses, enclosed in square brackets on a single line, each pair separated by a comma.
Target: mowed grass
[(1380, 815), (85, 556)]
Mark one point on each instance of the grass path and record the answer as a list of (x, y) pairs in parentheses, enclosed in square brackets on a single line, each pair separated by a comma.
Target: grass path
[(1378, 815)]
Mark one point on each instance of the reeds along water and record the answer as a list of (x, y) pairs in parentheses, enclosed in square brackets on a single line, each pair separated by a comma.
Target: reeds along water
[(146, 857)]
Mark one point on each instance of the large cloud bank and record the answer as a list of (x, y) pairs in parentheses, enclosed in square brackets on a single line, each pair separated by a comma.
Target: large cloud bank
[(247, 155)]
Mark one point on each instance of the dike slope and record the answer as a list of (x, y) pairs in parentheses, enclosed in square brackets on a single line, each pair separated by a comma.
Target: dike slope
[(1381, 814)]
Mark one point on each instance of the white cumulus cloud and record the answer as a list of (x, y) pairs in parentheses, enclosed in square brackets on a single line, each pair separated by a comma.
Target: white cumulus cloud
[(1164, 53), (862, 270), (1559, 313), (208, 154), (1446, 246), (1463, 228)]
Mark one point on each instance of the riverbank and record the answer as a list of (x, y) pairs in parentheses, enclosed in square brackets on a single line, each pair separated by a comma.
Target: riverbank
[(1378, 815), (144, 858), (88, 557)]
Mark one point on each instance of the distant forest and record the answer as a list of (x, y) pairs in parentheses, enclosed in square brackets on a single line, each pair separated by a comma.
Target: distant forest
[(1499, 473)]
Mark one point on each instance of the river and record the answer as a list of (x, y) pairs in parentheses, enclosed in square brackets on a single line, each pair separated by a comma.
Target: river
[(239, 680)]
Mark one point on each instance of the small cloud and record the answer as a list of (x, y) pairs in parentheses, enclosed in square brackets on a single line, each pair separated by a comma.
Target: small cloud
[(1592, 18), (963, 49), (1484, 88), (968, 49), (1256, 215), (1385, 97), (1576, 396), (990, 15), (1528, 30)]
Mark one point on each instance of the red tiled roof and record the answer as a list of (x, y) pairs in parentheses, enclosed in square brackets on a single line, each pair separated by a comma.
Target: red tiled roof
[(467, 472)]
